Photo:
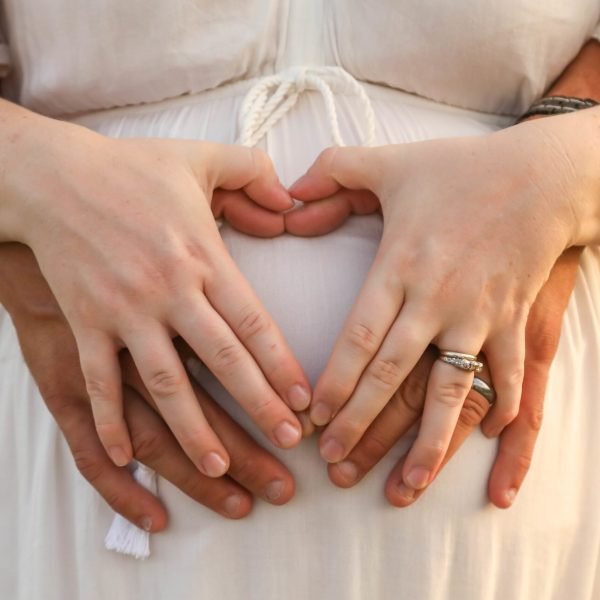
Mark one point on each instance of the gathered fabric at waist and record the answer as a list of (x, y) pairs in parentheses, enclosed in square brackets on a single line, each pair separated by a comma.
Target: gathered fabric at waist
[(336, 99)]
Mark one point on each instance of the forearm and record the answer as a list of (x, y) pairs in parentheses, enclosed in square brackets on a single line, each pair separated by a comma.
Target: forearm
[(18, 127), (28, 141), (581, 79), (578, 138)]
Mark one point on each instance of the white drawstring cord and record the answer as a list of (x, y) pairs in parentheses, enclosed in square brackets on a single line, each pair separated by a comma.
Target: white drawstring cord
[(273, 96), (125, 537), (264, 105)]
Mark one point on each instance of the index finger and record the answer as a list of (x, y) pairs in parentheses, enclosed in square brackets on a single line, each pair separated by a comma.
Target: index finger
[(370, 319)]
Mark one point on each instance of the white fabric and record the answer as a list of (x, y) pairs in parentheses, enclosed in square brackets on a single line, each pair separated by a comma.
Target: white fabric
[(596, 34), (481, 54), (125, 537), (326, 543)]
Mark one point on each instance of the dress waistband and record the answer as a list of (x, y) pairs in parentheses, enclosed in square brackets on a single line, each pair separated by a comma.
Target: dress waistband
[(271, 97)]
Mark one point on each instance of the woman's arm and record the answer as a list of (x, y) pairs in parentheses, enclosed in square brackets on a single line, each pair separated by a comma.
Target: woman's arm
[(124, 233), (475, 225)]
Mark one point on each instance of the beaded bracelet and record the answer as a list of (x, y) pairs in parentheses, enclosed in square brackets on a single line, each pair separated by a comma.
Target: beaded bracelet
[(558, 105)]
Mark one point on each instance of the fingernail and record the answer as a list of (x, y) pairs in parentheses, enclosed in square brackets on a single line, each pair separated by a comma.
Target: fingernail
[(298, 397), (348, 470), (213, 465), (232, 505), (284, 194), (418, 477), (308, 427), (118, 456), (274, 489), (287, 435), (510, 495), (320, 414), (405, 492), (332, 451), (145, 523)]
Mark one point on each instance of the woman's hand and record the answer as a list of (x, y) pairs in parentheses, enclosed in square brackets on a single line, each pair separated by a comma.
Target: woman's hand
[(472, 227), (517, 441), (51, 353), (124, 233)]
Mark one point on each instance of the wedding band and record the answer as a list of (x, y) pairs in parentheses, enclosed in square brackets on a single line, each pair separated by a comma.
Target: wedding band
[(485, 389), (460, 360)]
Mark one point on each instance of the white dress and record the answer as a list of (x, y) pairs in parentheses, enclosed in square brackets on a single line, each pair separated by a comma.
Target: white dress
[(181, 69)]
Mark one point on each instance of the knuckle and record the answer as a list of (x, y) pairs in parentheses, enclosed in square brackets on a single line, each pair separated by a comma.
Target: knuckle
[(373, 447), (246, 470), (473, 410), (134, 282), (68, 413), (110, 431), (88, 464), (209, 492), (534, 417), (226, 357), (543, 347), (351, 430), (148, 445), (519, 461), (44, 309), (253, 323), (164, 384), (433, 452), (98, 389), (363, 337), (335, 392), (193, 440), (511, 377), (261, 410), (522, 462), (326, 157), (452, 393), (385, 372), (197, 486), (411, 394)]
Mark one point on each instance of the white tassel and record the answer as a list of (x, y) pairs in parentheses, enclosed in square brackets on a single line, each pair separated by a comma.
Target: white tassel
[(125, 537)]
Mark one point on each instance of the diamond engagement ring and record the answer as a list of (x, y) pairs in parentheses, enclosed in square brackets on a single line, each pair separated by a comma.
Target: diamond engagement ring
[(460, 360)]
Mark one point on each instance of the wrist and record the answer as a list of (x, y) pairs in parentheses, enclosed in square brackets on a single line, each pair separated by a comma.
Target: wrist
[(21, 133), (23, 290), (32, 148), (574, 138)]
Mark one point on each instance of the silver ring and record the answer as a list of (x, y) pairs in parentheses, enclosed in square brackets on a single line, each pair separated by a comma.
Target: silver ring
[(460, 360), (485, 389)]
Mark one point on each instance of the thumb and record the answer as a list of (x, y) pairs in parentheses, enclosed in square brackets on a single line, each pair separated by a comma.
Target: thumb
[(322, 216), (233, 167), (354, 168)]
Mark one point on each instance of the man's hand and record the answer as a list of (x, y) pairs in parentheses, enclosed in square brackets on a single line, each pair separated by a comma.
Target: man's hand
[(51, 354)]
